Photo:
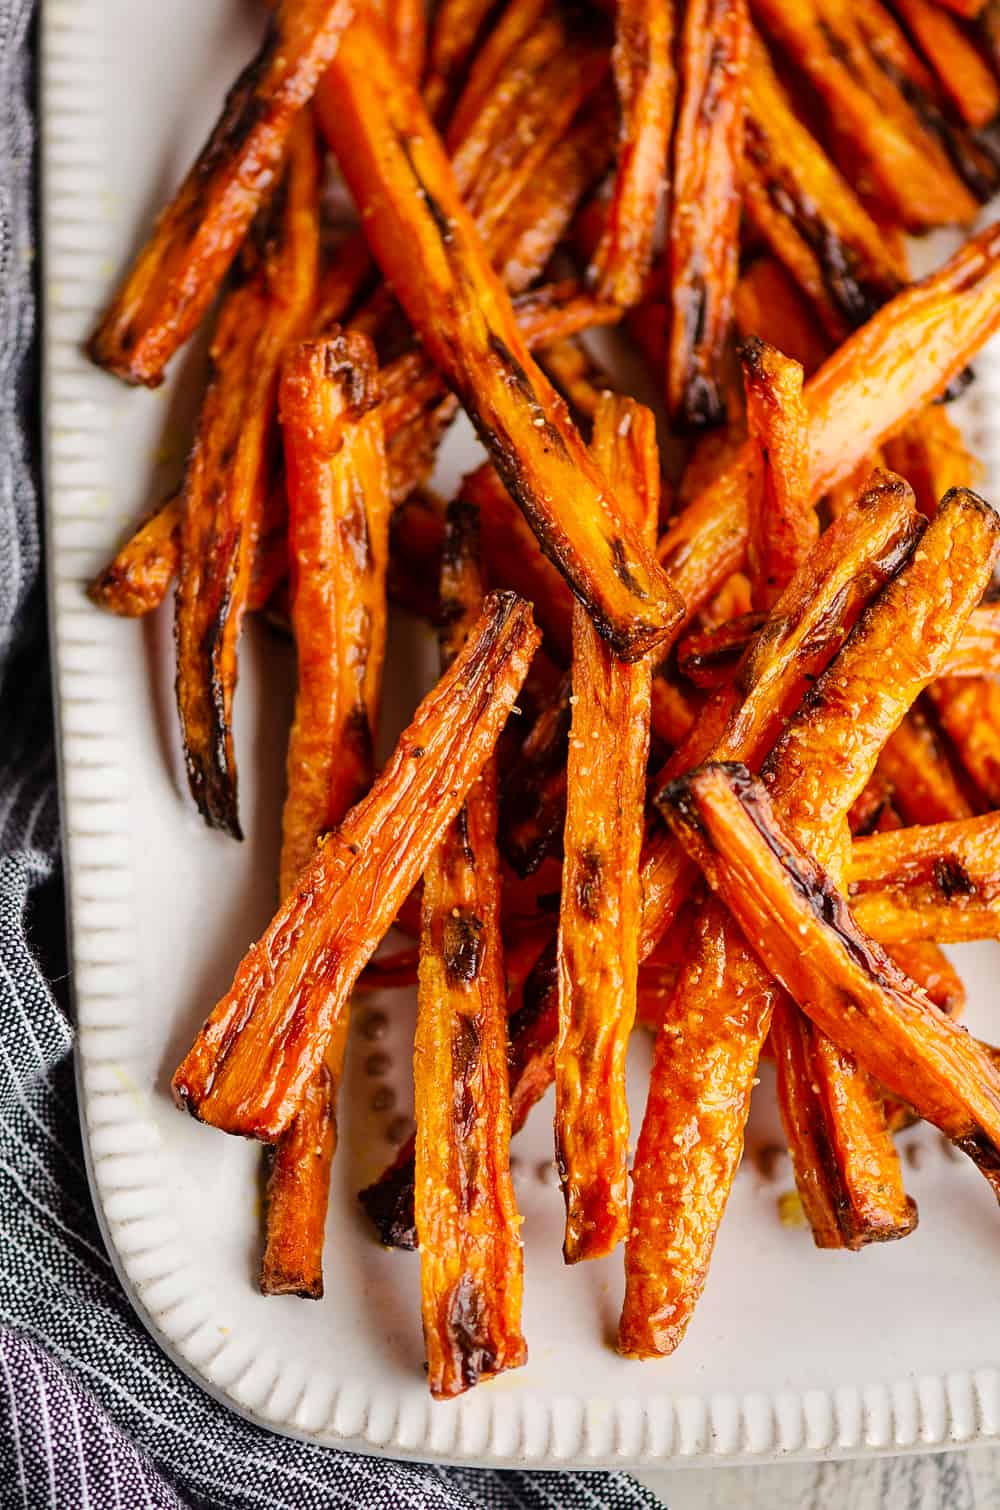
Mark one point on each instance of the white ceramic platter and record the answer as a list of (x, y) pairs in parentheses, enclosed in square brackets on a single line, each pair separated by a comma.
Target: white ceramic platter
[(792, 1352)]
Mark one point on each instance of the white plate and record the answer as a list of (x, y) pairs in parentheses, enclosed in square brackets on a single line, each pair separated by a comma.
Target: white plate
[(792, 1352)]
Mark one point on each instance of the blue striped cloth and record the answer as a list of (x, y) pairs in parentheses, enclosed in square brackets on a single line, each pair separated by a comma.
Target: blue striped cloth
[(92, 1414)]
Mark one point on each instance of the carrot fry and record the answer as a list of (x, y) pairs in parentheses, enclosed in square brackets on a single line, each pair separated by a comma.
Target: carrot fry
[(958, 66), (226, 478), (181, 268), (601, 900), (534, 794), (810, 217), (298, 1185), (801, 928), (968, 710), (783, 523), (471, 1270), (769, 305), (644, 79), (338, 520), (456, 28), (907, 168), (428, 248), (703, 252), (905, 356), (924, 780), (249, 1066), (958, 858), (137, 579)]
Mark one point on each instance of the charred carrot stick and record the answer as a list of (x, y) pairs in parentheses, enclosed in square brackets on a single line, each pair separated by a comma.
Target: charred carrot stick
[(249, 1066), (710, 657), (768, 304), (544, 209), (783, 523), (601, 901), (182, 266), (226, 478), (925, 782), (428, 248), (338, 521), (958, 66), (905, 356), (968, 711), (703, 252), (137, 579), (931, 454), (471, 1270), (644, 80), (810, 217), (298, 1185), (904, 163), (844, 980), (455, 30)]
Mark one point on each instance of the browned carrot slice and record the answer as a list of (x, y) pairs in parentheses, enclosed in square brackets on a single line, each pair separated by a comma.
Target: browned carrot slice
[(248, 1069), (703, 250), (181, 268), (338, 521), (808, 214), (226, 478), (644, 79), (783, 523), (298, 1185), (905, 356), (465, 1212), (601, 901), (801, 927), (427, 247)]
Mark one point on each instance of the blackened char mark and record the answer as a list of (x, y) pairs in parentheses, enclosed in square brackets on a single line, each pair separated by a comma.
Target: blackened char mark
[(952, 879), (209, 764), (243, 110), (462, 946), (441, 222), (973, 158), (619, 563), (589, 883), (389, 1203), (472, 1345)]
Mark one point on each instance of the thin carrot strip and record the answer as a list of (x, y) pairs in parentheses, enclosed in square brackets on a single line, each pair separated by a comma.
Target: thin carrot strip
[(783, 523), (601, 900), (226, 478), (465, 1212), (249, 1066), (644, 79), (181, 268), (958, 66)]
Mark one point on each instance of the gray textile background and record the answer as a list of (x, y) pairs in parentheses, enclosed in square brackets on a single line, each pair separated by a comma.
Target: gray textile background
[(92, 1414)]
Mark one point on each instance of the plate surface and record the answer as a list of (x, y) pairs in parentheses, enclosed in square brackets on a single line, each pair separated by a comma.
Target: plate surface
[(792, 1352)]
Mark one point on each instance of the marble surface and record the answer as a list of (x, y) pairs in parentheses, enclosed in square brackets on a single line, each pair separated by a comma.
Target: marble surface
[(939, 1481)]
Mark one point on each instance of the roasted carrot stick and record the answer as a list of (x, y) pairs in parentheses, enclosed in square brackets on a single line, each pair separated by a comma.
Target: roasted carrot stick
[(137, 579), (945, 888), (958, 66), (905, 356), (921, 773), (906, 167), (225, 482), (968, 710), (703, 251), (338, 521), (428, 248), (298, 1185), (601, 901), (249, 1066), (471, 1271), (181, 268), (802, 929), (783, 523), (768, 304), (644, 79), (810, 217)]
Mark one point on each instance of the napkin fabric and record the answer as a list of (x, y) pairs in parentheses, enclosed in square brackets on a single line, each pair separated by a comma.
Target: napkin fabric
[(92, 1414)]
